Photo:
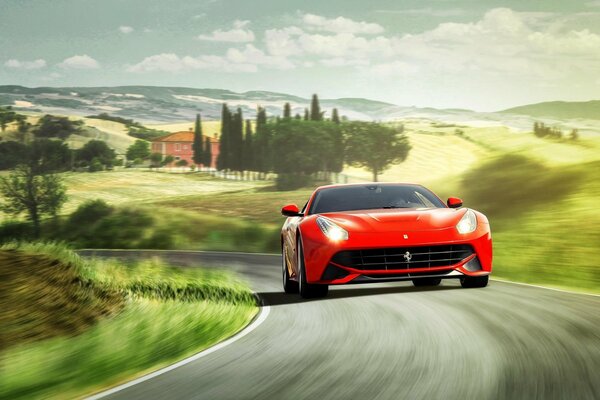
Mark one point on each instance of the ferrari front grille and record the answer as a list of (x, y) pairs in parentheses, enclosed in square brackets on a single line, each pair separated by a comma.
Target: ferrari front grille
[(398, 258)]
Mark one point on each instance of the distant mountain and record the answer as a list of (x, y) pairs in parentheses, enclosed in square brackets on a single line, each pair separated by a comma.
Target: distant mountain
[(154, 104), (560, 110), (158, 104)]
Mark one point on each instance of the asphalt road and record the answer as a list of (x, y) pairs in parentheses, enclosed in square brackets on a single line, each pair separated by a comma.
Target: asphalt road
[(393, 341)]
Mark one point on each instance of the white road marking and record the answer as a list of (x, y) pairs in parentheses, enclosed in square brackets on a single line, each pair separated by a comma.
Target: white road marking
[(546, 287), (262, 316)]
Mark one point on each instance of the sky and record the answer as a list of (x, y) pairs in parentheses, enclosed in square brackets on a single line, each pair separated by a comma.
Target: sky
[(483, 55)]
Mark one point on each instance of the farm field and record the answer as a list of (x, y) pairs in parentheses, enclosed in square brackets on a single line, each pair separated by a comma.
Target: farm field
[(139, 186)]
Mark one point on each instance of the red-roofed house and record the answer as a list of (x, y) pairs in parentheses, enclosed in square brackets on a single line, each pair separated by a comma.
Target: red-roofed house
[(179, 145)]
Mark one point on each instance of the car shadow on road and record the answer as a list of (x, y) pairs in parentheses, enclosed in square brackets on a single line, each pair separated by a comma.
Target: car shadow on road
[(281, 298)]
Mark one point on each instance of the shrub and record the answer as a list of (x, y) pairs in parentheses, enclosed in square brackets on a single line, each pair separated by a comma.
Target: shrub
[(292, 181), (95, 166)]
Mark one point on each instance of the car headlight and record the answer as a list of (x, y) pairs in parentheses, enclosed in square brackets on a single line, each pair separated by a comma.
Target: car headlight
[(331, 230), (468, 223)]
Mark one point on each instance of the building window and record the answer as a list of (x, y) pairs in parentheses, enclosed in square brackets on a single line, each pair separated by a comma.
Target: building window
[(177, 147), (185, 146)]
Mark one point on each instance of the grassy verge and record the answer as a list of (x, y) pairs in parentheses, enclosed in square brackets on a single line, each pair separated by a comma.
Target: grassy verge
[(149, 316), (545, 222)]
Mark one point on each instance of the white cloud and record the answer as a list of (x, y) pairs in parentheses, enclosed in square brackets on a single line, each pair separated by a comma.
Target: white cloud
[(340, 25), (35, 64), (252, 55), (125, 29), (79, 62), (282, 42), (235, 60), (393, 69), (235, 35), (427, 11)]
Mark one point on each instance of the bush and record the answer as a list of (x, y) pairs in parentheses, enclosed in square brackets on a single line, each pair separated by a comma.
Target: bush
[(95, 166), (15, 230), (292, 181)]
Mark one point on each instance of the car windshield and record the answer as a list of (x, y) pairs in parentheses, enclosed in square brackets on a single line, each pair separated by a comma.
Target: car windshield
[(368, 197)]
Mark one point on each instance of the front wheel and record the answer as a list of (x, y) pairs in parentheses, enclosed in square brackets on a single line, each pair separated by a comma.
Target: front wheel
[(474, 281), (308, 290), (289, 286)]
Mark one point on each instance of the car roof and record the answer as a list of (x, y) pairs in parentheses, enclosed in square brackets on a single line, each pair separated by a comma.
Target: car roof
[(338, 185)]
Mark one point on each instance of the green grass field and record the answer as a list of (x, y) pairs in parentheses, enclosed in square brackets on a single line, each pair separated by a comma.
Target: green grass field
[(141, 186), (112, 321)]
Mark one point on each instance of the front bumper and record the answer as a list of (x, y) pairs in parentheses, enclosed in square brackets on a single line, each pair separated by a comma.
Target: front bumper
[(321, 266)]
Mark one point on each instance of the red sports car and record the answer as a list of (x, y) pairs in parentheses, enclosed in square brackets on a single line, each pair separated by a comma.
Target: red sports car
[(380, 232)]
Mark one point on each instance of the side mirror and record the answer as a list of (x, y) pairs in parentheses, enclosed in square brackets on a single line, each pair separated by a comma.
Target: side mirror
[(454, 202), (291, 210)]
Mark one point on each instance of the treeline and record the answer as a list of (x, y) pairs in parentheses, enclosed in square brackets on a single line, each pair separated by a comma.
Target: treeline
[(541, 130), (297, 148), (44, 141)]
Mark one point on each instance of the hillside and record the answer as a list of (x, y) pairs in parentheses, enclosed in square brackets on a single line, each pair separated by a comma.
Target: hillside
[(560, 110), (151, 104)]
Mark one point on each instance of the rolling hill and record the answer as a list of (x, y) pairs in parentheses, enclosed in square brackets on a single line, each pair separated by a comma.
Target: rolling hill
[(560, 110)]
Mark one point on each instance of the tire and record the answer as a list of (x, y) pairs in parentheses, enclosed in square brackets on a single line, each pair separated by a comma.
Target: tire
[(474, 281), (426, 282), (308, 290), (289, 286)]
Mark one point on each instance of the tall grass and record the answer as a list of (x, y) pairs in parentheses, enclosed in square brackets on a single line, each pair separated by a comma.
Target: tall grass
[(168, 314)]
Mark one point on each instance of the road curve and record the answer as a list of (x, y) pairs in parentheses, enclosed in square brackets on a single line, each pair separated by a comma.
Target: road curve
[(392, 341)]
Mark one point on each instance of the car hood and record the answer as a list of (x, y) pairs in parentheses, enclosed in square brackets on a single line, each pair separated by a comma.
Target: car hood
[(401, 220)]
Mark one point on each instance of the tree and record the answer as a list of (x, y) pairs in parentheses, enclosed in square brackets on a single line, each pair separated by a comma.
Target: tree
[(50, 126), (155, 160), (207, 153), (574, 134), (26, 191), (22, 127), (96, 149), (237, 141), (315, 109), (7, 115), (287, 111), (12, 154), (139, 150), (262, 145), (306, 114), (49, 155), (247, 160), (334, 116), (223, 158), (374, 146), (197, 146)]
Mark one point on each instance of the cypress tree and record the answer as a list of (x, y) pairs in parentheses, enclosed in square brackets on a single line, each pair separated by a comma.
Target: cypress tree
[(207, 153), (248, 161), (287, 111), (315, 109), (198, 156), (223, 158), (237, 141), (306, 115), (334, 116), (261, 154)]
